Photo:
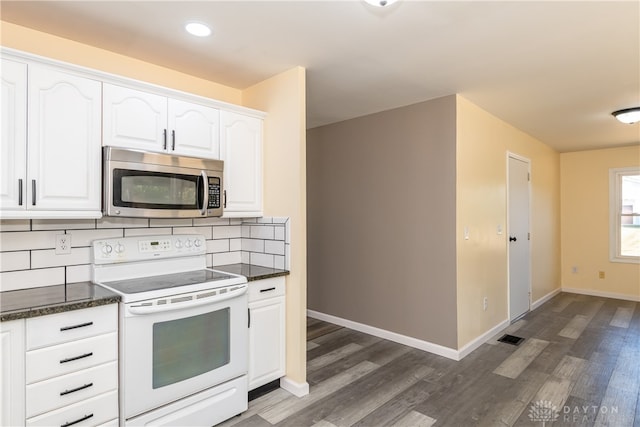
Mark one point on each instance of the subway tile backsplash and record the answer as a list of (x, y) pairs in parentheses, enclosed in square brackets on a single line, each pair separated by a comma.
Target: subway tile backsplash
[(28, 258)]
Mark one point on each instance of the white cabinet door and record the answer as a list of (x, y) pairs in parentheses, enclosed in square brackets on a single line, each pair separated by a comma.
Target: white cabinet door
[(195, 130), (266, 331), (13, 146), (266, 341), (12, 385), (134, 119), (241, 150), (64, 123), (150, 122)]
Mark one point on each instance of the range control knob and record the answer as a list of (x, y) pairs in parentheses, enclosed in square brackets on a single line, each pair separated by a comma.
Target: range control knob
[(197, 243), (178, 244), (188, 244), (119, 248), (106, 249)]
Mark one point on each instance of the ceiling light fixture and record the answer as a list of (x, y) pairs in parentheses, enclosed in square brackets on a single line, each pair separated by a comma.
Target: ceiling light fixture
[(628, 115), (197, 29), (380, 3)]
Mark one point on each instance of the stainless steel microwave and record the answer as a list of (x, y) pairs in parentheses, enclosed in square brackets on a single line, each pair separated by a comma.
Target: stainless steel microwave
[(154, 185)]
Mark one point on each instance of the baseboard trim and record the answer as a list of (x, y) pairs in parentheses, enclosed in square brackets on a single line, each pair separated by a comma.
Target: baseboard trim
[(537, 303), (294, 387), (477, 342), (440, 350), (601, 294)]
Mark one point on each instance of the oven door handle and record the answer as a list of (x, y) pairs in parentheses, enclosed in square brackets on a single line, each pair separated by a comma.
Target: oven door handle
[(151, 309)]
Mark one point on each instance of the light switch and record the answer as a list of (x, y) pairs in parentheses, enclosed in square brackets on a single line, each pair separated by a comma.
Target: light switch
[(499, 229), (466, 233)]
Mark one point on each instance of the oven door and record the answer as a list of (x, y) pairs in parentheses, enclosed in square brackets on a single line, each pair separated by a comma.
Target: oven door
[(171, 351)]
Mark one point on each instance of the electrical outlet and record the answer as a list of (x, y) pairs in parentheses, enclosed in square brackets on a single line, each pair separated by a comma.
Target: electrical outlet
[(601, 274), (485, 303), (63, 244), (574, 269)]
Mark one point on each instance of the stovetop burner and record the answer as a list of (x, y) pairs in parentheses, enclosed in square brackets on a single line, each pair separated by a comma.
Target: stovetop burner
[(144, 268), (166, 281)]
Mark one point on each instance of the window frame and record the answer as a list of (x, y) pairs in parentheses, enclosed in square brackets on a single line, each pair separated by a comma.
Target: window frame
[(615, 214)]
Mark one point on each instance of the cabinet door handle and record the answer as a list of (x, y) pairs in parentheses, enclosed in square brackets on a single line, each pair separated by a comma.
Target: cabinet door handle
[(33, 192), (173, 140), (73, 390), (81, 325), (164, 135), (79, 420), (20, 192), (249, 317), (267, 290), (71, 359), (225, 199)]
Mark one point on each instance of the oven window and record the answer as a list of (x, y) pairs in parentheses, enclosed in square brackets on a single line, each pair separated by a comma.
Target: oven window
[(154, 190), (188, 347)]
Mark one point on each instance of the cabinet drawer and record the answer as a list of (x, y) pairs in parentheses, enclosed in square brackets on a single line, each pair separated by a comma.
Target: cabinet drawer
[(71, 325), (91, 412), (266, 288), (65, 358), (61, 391)]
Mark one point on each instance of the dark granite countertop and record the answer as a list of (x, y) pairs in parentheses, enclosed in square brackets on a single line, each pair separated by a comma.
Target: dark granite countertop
[(252, 272), (33, 302)]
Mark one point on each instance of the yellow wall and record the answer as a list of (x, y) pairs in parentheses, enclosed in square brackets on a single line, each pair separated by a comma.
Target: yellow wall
[(585, 223), (482, 145), (285, 192), (50, 46)]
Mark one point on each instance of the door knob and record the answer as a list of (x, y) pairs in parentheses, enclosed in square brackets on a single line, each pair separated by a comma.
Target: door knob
[(512, 239)]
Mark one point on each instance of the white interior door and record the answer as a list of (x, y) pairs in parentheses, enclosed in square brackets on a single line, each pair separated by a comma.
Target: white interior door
[(519, 237)]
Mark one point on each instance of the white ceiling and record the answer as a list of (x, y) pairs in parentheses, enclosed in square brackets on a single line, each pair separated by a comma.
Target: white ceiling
[(554, 69)]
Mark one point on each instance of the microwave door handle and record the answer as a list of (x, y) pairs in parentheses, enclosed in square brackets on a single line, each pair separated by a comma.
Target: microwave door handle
[(205, 189)]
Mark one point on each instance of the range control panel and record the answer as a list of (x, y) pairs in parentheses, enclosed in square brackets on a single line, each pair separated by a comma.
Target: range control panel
[(140, 248)]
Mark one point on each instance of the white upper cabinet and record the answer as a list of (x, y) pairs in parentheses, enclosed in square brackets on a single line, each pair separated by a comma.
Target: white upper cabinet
[(58, 172), (134, 119), (241, 150), (64, 157), (146, 121), (13, 147), (195, 129)]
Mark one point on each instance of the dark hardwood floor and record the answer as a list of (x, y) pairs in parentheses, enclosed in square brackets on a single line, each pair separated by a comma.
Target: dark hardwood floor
[(579, 365)]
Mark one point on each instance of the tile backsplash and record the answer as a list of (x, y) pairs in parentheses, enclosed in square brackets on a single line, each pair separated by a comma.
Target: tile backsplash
[(28, 258)]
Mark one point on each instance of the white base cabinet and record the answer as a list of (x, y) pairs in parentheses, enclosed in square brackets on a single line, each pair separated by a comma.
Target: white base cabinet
[(72, 367), (267, 336), (12, 391)]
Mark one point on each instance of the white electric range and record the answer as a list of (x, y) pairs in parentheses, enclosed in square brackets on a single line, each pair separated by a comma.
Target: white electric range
[(183, 330)]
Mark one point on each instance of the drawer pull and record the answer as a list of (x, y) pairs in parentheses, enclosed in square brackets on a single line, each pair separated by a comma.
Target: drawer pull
[(79, 420), (267, 290), (71, 359), (64, 393), (81, 325)]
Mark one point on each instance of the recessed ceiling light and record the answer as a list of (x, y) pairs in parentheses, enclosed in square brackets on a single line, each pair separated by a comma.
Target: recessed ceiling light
[(197, 29), (380, 3)]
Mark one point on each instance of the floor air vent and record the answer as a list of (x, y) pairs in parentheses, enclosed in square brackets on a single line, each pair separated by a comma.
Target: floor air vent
[(511, 339)]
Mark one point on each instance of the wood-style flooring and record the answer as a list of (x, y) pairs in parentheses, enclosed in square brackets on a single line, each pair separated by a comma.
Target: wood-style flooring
[(579, 365)]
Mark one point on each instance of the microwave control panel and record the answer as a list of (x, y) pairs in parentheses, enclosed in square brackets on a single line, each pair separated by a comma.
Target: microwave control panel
[(214, 193)]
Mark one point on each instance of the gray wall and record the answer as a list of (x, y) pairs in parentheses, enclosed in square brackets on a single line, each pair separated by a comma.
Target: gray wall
[(381, 214)]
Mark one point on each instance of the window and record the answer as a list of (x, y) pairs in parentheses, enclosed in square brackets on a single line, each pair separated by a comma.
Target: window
[(624, 193)]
